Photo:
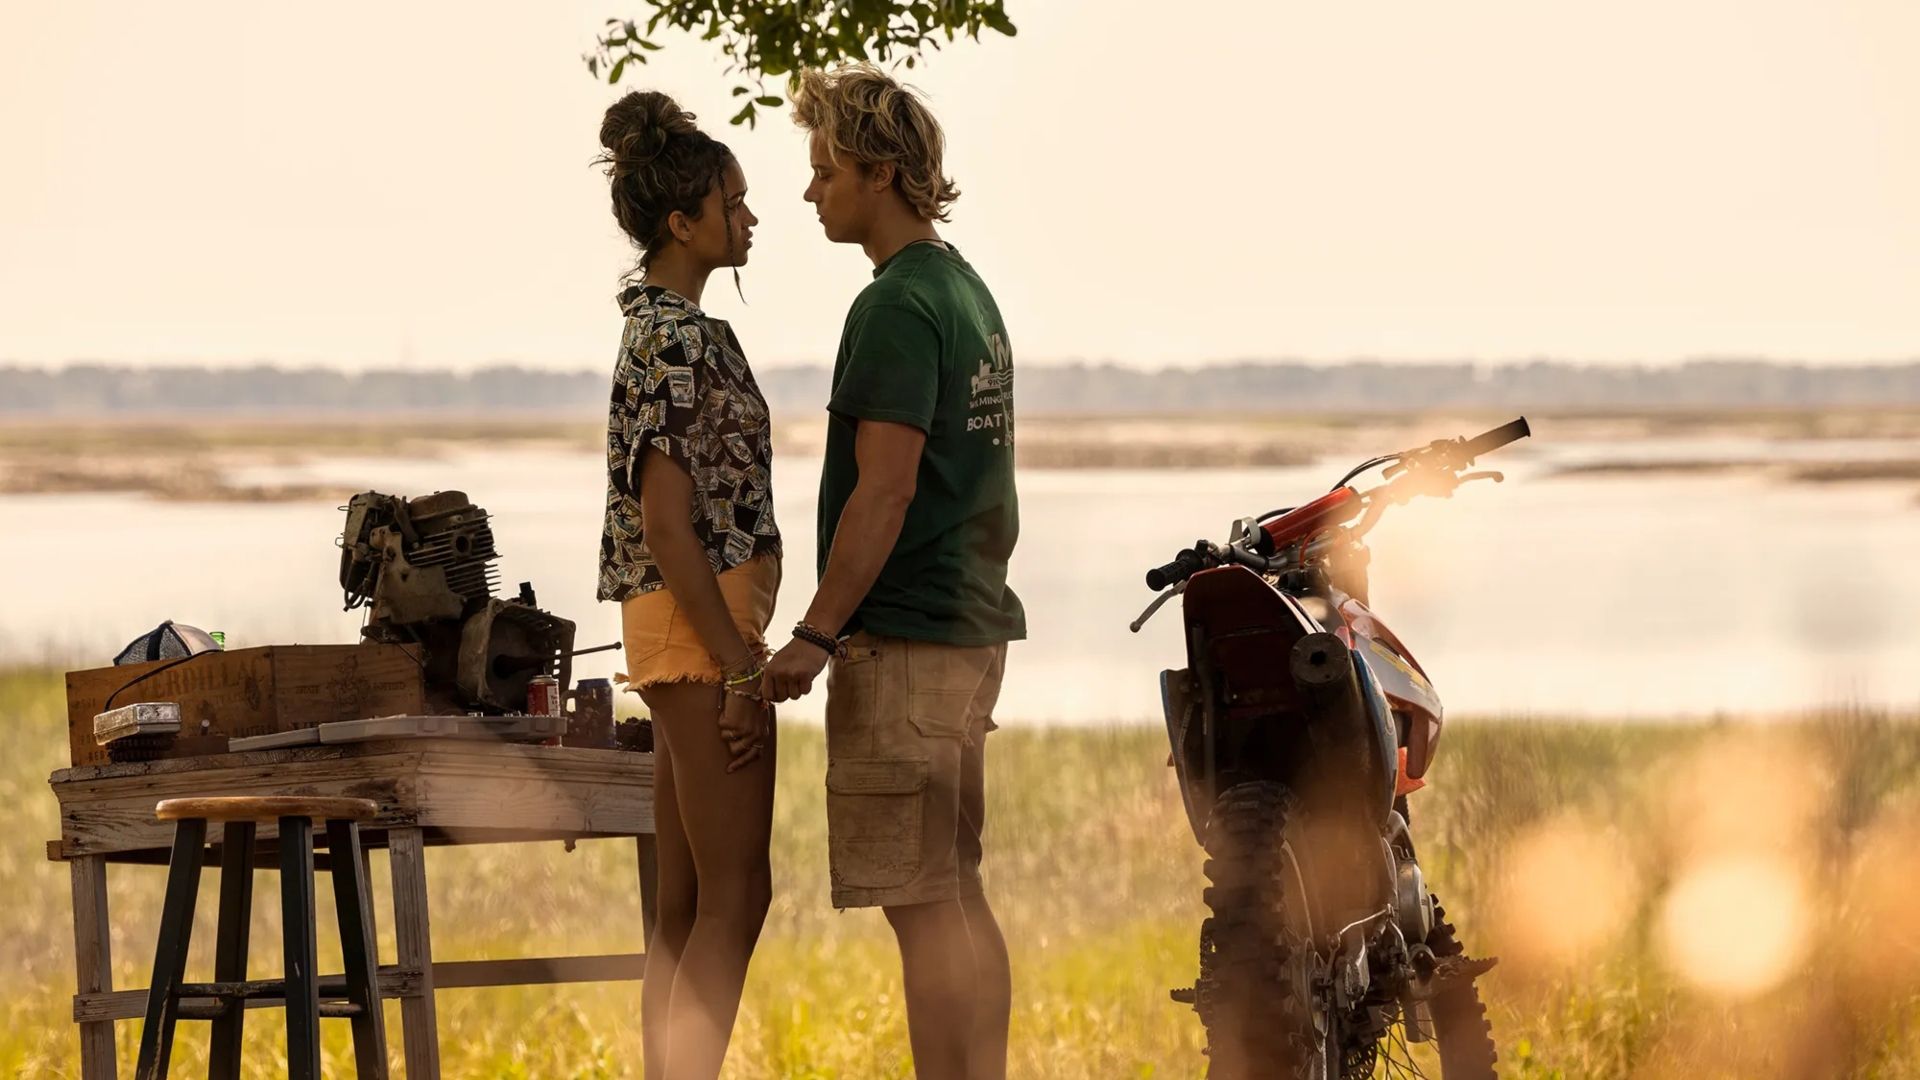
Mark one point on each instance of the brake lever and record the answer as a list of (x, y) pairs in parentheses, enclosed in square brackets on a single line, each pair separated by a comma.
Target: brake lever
[(1484, 474), (1158, 601)]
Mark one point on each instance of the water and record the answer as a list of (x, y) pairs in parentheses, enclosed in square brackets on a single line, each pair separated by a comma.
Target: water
[(1570, 596)]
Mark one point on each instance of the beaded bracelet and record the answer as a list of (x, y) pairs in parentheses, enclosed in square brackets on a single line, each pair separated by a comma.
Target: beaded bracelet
[(756, 654), (749, 677), (820, 639)]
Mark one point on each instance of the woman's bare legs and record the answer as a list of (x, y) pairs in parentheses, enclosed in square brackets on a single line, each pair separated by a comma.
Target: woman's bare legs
[(674, 898), (727, 820)]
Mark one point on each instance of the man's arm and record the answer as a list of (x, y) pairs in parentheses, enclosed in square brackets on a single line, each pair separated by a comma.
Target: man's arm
[(888, 456)]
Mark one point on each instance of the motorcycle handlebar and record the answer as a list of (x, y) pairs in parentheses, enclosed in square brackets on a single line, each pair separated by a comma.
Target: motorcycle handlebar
[(1451, 455), (1497, 438), (1183, 566)]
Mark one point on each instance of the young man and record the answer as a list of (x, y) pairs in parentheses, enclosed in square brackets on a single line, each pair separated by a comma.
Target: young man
[(917, 520)]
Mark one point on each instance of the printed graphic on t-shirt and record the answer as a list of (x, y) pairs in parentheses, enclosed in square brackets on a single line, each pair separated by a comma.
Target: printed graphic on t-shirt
[(990, 405)]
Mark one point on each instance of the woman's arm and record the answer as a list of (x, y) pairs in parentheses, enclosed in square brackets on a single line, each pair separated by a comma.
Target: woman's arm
[(666, 503)]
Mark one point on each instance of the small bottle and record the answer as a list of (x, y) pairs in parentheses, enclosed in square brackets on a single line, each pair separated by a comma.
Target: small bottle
[(219, 639)]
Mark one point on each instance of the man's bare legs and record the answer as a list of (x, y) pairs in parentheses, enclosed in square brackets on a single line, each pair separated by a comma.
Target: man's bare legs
[(727, 819), (959, 988), (936, 963), (993, 992)]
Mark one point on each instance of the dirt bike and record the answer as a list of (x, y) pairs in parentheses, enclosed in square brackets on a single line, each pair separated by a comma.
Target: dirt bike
[(1299, 727)]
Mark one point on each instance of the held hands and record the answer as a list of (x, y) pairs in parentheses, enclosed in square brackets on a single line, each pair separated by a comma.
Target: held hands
[(791, 672), (744, 726), (746, 718)]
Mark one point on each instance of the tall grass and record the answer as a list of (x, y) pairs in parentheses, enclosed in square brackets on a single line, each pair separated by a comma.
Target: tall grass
[(1097, 882)]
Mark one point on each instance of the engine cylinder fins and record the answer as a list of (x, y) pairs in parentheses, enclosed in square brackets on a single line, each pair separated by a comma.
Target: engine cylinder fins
[(439, 504)]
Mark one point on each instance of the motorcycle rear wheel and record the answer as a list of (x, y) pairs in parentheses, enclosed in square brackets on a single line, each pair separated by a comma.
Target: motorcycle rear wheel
[(1262, 993), (1257, 993)]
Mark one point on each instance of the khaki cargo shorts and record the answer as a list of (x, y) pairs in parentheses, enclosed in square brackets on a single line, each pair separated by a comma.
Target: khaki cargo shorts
[(906, 779)]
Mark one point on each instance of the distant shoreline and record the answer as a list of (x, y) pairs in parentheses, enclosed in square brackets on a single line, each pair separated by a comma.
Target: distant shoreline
[(1269, 386), (193, 458)]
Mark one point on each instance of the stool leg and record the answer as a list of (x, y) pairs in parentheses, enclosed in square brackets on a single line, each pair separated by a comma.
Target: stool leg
[(297, 933), (353, 902), (230, 944), (170, 955)]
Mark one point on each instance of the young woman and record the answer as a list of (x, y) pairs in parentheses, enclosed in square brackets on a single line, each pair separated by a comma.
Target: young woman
[(691, 552)]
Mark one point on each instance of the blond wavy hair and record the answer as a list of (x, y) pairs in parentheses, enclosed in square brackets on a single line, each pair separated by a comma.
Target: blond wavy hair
[(872, 120)]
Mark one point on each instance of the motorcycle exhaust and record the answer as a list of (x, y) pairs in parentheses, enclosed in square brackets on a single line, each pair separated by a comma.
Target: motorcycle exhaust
[(1337, 697), (1323, 671)]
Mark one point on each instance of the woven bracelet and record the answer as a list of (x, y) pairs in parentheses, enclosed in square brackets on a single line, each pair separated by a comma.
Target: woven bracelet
[(819, 639)]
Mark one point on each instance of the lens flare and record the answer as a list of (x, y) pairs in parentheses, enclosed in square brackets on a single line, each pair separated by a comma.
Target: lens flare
[(1568, 888), (1754, 791), (1736, 925)]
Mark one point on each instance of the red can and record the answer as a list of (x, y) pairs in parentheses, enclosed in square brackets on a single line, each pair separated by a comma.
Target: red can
[(543, 696)]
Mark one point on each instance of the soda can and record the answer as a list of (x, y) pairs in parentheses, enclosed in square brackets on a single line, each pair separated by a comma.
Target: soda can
[(543, 696)]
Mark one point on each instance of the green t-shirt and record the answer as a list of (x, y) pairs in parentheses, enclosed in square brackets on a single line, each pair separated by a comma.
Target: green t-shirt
[(924, 345)]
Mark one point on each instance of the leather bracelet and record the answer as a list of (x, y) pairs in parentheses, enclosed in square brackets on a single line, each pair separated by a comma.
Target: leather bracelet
[(820, 639)]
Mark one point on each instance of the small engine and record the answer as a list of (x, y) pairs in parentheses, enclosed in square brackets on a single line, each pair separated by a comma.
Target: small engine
[(425, 567)]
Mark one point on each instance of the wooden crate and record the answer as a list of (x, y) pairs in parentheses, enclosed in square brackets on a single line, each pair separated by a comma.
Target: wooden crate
[(252, 691)]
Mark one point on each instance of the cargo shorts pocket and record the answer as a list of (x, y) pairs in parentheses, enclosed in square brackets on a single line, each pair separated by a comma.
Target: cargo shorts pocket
[(875, 816), (943, 682)]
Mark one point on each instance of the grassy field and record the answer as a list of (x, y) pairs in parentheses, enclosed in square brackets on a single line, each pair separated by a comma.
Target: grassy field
[(1698, 902)]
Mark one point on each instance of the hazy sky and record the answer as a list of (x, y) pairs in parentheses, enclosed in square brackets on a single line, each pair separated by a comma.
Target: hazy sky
[(371, 184)]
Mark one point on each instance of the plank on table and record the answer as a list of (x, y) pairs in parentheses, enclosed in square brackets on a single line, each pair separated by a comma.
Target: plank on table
[(117, 813), (431, 783)]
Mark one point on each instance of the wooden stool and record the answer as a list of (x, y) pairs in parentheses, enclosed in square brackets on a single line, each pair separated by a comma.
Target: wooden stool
[(300, 989)]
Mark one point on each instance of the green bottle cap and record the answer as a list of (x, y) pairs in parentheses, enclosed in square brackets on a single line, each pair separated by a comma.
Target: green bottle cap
[(219, 638)]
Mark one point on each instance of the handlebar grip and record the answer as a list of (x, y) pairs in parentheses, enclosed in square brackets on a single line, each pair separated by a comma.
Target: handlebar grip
[(1497, 438), (1180, 569)]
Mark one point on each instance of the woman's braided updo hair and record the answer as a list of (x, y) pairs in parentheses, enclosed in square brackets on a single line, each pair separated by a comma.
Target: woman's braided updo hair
[(658, 162)]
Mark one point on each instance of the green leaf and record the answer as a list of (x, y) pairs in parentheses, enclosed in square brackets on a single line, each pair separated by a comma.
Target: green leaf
[(618, 66), (743, 115), (738, 90), (771, 101), (764, 38)]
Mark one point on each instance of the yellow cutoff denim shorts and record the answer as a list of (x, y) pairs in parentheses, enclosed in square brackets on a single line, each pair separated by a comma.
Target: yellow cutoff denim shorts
[(661, 643)]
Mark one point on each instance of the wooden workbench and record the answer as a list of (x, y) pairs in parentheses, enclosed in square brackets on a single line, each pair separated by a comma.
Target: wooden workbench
[(430, 792)]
